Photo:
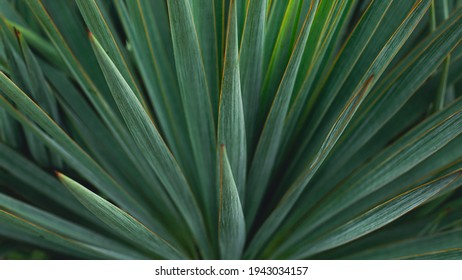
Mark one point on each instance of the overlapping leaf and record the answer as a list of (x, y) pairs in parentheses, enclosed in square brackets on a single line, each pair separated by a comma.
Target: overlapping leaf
[(231, 223), (342, 123), (154, 148), (120, 221)]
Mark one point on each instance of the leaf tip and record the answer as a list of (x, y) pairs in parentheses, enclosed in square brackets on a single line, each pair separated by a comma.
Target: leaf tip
[(61, 177), (17, 33)]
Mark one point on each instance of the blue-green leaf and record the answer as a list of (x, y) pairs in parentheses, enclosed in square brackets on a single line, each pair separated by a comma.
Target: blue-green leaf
[(231, 223)]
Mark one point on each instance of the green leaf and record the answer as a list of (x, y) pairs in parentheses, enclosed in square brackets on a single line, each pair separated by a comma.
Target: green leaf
[(58, 141), (8, 12), (24, 222), (151, 51), (153, 147), (120, 221), (251, 64), (331, 112), (9, 130), (286, 203), (197, 105), (127, 166), (387, 100), (445, 246), (86, 77), (396, 231), (351, 52), (231, 127), (411, 149), (268, 145), (326, 24), (231, 223), (65, 28), (21, 62), (330, 17), (367, 52), (40, 91), (274, 18), (63, 48), (29, 173), (37, 42), (398, 87), (375, 62), (204, 16), (280, 54), (96, 20), (377, 217)]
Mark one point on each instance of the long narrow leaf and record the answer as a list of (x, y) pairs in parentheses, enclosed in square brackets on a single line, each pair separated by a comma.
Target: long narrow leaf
[(411, 149), (251, 63), (63, 144), (38, 179), (289, 199), (204, 16), (94, 17), (33, 225), (154, 148), (154, 61), (377, 217), (231, 223), (267, 148), (196, 99), (231, 125), (120, 221), (392, 93)]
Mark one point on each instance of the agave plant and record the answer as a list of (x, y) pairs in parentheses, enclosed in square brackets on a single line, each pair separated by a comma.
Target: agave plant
[(268, 129)]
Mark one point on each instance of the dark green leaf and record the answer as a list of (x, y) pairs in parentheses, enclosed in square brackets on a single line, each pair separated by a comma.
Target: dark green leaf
[(231, 127), (120, 221), (231, 223), (153, 147)]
